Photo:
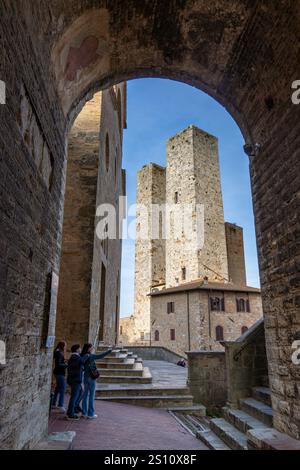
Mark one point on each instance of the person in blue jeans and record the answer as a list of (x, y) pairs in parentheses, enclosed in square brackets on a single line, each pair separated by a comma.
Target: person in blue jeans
[(60, 375), (90, 379), (75, 376)]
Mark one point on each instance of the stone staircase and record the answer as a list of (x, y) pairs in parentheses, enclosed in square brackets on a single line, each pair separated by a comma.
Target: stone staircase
[(125, 379), (230, 431)]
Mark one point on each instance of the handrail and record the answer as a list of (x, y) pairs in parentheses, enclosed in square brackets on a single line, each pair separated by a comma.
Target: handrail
[(239, 352)]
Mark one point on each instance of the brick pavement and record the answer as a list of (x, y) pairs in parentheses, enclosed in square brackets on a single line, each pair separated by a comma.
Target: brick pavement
[(126, 427)]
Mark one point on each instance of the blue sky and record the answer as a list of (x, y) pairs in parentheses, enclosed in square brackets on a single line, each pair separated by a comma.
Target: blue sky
[(157, 109)]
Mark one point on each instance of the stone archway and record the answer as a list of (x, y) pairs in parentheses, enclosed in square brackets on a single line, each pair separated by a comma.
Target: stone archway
[(244, 54)]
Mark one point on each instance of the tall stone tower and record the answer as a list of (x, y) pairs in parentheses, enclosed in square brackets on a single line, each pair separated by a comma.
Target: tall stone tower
[(149, 251), (193, 180), (236, 255)]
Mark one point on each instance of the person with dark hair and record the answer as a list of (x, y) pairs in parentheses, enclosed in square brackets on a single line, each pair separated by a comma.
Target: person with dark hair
[(75, 376), (181, 362), (60, 376), (90, 378)]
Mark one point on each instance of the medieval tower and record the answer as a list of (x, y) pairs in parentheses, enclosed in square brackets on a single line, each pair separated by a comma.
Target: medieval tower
[(193, 185)]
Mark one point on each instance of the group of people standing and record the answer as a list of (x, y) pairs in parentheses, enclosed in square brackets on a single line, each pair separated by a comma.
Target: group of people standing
[(82, 377)]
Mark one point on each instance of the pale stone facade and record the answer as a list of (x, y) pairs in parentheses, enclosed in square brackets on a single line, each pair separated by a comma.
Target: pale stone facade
[(194, 321), (89, 287), (176, 262)]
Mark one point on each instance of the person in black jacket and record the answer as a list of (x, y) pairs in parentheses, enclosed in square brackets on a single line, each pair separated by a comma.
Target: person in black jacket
[(60, 375), (75, 376)]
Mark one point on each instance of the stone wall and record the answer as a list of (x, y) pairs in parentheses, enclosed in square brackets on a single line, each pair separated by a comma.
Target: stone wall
[(207, 378), (154, 353), (246, 363), (235, 254)]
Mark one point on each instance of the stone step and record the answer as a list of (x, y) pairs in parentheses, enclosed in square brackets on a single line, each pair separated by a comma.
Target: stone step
[(258, 410), (118, 358), (127, 364), (153, 401), (270, 439), (241, 420), (211, 440), (145, 378), (104, 347), (232, 437), (262, 394), (57, 441), (136, 371), (125, 392), (115, 352)]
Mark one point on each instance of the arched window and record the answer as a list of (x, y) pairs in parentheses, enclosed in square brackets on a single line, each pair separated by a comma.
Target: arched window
[(244, 329), (240, 305), (219, 333), (172, 334), (107, 152), (156, 335)]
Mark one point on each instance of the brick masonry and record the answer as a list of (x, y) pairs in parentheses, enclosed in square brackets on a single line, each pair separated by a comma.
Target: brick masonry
[(229, 49)]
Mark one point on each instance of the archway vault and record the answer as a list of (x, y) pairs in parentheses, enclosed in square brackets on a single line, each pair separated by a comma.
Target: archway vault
[(243, 53), (188, 41)]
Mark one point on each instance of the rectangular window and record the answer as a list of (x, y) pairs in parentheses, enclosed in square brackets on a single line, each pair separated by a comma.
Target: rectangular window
[(142, 336), (217, 304), (183, 274), (176, 197), (172, 335), (170, 307)]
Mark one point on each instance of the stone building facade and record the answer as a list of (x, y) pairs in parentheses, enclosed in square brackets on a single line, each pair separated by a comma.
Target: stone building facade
[(89, 281), (202, 315), (183, 243)]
